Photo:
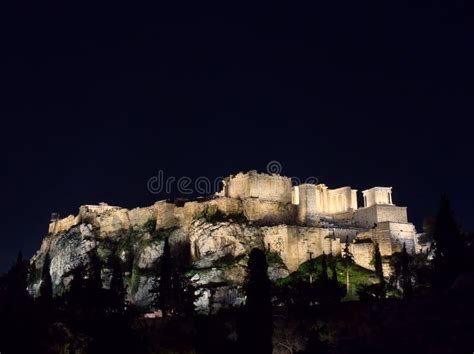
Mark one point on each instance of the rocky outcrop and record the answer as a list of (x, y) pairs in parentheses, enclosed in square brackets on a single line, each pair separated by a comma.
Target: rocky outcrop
[(218, 251)]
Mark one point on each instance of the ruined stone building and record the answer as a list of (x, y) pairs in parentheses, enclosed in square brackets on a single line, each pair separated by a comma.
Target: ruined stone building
[(298, 222)]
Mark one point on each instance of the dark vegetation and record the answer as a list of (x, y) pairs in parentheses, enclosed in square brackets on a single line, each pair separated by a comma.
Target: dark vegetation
[(213, 215), (329, 305)]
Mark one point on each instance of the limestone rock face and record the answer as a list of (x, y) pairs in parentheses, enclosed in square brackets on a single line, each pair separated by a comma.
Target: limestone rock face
[(219, 252), (67, 251), (149, 255), (210, 242)]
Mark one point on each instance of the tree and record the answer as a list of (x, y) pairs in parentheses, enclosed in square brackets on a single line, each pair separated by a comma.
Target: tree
[(183, 292), (406, 274), (117, 288), (377, 259), (347, 261), (256, 323), (46, 287), (172, 293), (322, 291), (324, 271), (162, 290), (449, 247), (337, 291), (93, 294), (95, 271), (76, 289), (16, 280)]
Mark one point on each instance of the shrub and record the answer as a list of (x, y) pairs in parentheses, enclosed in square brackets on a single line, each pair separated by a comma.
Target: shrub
[(158, 236), (371, 292), (149, 226), (227, 260), (274, 258), (358, 276), (213, 215), (135, 278)]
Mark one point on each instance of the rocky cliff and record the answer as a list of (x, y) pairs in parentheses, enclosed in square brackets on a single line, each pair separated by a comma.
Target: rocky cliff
[(212, 253)]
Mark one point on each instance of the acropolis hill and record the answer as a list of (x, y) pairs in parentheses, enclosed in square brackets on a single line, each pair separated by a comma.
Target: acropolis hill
[(293, 224), (299, 222)]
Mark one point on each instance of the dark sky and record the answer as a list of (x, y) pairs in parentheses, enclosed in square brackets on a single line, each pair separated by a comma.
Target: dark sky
[(96, 101)]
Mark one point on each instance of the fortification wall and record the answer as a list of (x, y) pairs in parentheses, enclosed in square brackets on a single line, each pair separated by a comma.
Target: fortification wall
[(276, 240), (227, 206), (62, 225), (113, 221), (139, 216), (165, 215), (344, 217), (297, 244), (265, 212), (270, 187), (384, 241), (256, 185), (186, 214), (363, 253), (368, 217), (397, 233), (342, 233), (307, 207), (169, 215), (237, 186)]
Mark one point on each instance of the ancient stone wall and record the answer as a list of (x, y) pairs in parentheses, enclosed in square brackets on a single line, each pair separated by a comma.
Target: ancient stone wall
[(187, 213), (398, 234), (139, 216), (237, 186), (308, 213), (368, 217), (227, 206), (62, 225), (165, 215), (342, 234), (113, 221), (256, 185), (298, 244), (298, 223), (363, 253), (276, 239)]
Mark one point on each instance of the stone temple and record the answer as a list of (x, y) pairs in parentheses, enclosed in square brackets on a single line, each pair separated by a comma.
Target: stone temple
[(298, 222)]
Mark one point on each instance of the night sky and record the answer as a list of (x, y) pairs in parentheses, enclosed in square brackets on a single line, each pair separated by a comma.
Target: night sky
[(96, 101)]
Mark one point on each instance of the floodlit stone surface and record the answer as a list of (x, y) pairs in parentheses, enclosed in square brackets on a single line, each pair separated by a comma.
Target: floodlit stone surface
[(254, 210)]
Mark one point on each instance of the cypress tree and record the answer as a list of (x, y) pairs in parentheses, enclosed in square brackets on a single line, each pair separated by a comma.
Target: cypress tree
[(172, 293), (406, 274), (46, 287), (93, 287), (449, 248), (347, 261), (336, 291), (162, 289), (334, 281), (76, 288), (324, 271), (378, 264), (117, 288), (256, 324), (17, 282)]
